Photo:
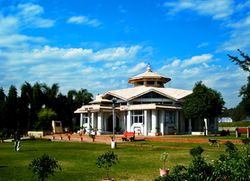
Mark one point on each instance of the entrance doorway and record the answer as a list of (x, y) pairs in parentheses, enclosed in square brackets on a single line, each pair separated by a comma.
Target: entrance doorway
[(110, 123)]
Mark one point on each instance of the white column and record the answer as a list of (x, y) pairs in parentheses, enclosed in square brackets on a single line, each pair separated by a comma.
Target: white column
[(189, 126), (81, 120), (177, 121), (124, 121), (129, 121), (92, 120), (145, 122), (153, 120), (206, 128), (88, 122), (99, 122), (104, 122), (162, 122)]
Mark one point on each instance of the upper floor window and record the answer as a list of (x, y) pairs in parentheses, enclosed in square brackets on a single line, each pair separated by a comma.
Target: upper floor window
[(150, 82)]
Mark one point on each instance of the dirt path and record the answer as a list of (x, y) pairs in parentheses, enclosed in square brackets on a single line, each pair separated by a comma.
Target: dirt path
[(106, 139), (187, 140)]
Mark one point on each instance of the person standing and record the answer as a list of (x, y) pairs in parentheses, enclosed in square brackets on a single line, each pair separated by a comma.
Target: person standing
[(17, 138)]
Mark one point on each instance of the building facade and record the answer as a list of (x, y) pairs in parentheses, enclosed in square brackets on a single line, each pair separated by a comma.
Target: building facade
[(148, 108)]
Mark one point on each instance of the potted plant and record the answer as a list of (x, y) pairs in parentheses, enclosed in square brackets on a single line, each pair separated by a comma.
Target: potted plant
[(157, 131), (106, 161), (118, 129), (164, 171)]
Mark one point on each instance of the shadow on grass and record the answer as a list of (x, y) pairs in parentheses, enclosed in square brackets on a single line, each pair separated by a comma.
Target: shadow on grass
[(3, 166)]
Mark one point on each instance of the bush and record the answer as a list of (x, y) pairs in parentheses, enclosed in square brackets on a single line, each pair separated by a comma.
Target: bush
[(235, 124), (106, 161), (232, 165), (44, 166)]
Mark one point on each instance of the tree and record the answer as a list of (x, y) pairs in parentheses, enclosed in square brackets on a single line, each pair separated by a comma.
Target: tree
[(45, 116), (38, 101), (26, 102), (22, 112), (44, 166), (50, 94), (12, 119), (2, 107), (106, 161), (245, 89), (244, 64), (203, 103), (62, 110), (76, 99)]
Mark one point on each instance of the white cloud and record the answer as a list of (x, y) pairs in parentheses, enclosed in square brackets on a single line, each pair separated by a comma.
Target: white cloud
[(88, 70), (239, 35), (197, 60), (30, 16), (8, 24), (214, 76), (67, 66), (116, 54), (17, 19), (19, 41), (84, 20), (138, 68), (214, 8), (30, 9), (202, 45)]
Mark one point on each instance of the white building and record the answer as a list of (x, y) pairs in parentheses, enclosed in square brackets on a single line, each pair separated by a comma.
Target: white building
[(147, 108)]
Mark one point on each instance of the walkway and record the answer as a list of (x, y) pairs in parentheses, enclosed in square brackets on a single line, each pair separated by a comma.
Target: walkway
[(107, 138)]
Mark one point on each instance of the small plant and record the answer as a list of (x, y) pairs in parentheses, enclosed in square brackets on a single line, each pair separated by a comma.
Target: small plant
[(163, 158), (197, 151), (112, 138), (44, 166), (106, 161), (118, 129), (92, 135)]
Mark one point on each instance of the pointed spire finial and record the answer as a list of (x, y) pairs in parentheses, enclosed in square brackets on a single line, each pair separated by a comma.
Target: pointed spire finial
[(149, 68)]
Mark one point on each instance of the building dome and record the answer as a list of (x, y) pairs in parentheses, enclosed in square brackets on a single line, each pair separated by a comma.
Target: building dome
[(149, 78)]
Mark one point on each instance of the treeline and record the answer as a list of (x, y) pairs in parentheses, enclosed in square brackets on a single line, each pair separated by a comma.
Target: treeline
[(242, 110), (22, 111)]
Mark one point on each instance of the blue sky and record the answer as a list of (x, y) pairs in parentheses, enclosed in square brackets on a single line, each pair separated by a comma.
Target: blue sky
[(98, 45)]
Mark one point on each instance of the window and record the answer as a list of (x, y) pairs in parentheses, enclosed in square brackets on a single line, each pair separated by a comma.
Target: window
[(85, 118), (170, 117), (150, 82), (137, 116), (139, 83)]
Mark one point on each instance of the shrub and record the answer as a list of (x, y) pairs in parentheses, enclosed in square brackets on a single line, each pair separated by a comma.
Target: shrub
[(44, 166), (106, 161), (163, 158), (232, 165), (235, 124)]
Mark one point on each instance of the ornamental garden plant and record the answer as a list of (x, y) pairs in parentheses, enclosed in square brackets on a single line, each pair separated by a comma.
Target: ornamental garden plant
[(106, 161), (232, 165), (44, 166)]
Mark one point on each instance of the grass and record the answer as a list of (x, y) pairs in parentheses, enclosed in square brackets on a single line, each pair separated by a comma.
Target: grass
[(137, 160), (235, 124)]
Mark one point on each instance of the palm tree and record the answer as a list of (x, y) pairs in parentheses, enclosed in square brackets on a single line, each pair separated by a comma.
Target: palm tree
[(2, 107), (51, 94)]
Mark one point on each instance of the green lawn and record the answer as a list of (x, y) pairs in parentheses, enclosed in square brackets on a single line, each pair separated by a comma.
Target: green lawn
[(137, 161)]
